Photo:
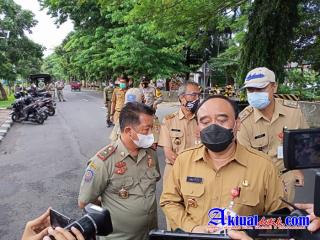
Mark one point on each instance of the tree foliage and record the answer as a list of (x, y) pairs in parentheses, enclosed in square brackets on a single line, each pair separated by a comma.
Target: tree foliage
[(270, 34), (163, 38), (19, 56)]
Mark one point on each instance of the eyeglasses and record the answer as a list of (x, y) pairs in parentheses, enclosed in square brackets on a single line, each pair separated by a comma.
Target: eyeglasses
[(194, 94)]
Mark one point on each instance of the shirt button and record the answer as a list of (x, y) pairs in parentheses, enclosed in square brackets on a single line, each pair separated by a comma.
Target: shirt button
[(218, 175)]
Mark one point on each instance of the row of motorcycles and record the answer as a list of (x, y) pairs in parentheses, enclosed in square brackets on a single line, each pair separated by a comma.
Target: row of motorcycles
[(34, 106)]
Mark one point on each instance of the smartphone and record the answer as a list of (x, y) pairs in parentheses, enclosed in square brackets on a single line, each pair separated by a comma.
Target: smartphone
[(58, 219)]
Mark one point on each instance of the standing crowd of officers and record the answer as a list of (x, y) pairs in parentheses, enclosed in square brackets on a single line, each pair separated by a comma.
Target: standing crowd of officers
[(215, 157), (210, 152)]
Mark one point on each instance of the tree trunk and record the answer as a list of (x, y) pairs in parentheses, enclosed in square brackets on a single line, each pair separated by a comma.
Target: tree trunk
[(3, 93)]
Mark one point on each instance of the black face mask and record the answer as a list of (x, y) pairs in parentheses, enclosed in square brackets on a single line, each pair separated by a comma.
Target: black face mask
[(192, 106), (216, 138)]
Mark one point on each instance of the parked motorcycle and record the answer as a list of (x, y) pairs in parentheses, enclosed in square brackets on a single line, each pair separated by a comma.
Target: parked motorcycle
[(30, 112)]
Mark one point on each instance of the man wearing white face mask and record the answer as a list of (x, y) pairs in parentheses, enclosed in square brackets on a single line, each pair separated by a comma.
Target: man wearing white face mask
[(124, 175), (263, 121)]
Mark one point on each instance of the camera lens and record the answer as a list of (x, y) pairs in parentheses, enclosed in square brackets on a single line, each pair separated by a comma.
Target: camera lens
[(85, 225)]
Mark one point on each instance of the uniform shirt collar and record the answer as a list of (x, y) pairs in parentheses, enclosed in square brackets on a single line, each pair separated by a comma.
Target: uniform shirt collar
[(278, 110), (181, 115), (124, 153), (202, 154)]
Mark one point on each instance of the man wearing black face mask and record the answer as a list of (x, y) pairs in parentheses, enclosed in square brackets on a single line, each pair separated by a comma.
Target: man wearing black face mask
[(149, 93), (217, 171)]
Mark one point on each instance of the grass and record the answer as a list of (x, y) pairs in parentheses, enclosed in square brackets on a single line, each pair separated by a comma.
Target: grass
[(7, 103)]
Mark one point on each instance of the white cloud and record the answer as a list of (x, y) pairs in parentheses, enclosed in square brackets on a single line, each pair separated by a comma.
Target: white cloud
[(45, 32)]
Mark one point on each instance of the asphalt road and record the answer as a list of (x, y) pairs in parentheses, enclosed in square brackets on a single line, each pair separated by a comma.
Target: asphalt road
[(42, 165)]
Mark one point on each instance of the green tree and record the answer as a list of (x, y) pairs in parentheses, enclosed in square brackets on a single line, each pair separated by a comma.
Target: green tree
[(270, 34), (19, 56)]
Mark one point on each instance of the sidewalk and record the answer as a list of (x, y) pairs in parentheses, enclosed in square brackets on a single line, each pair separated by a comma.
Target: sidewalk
[(5, 123)]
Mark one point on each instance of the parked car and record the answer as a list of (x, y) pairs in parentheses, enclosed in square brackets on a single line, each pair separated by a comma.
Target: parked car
[(75, 86)]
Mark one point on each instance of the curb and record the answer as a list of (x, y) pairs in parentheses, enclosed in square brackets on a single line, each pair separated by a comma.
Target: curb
[(4, 128)]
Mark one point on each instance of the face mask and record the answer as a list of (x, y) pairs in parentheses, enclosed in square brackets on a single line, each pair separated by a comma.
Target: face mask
[(144, 141), (259, 100), (216, 138), (122, 85), (192, 105)]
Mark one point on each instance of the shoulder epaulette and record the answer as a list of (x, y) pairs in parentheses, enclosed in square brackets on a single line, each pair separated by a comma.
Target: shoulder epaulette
[(192, 148), (291, 104), (106, 152), (245, 113), (170, 116)]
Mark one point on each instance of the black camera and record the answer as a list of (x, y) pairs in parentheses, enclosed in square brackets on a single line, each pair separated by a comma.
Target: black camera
[(96, 221)]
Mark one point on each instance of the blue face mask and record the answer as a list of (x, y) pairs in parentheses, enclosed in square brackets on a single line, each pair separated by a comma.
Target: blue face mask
[(122, 85), (259, 100)]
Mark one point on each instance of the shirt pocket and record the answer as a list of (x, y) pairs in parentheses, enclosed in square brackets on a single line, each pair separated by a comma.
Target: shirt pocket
[(177, 140), (260, 144), (248, 203), (193, 195), (116, 184), (148, 182)]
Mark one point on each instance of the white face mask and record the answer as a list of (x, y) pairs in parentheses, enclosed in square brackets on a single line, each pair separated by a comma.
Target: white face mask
[(144, 141)]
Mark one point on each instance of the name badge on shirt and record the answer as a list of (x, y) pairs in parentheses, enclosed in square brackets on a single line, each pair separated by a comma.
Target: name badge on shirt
[(194, 179), (260, 136), (280, 152)]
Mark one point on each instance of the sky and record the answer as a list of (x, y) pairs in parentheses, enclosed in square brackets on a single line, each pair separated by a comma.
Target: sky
[(45, 32)]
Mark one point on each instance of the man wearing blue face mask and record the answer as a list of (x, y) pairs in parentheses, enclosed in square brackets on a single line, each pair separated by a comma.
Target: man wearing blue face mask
[(124, 175), (263, 121)]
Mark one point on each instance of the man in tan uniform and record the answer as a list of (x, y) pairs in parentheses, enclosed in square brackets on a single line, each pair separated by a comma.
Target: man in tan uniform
[(150, 94), (117, 100), (179, 130), (117, 103), (124, 176), (107, 95), (263, 121), (205, 176)]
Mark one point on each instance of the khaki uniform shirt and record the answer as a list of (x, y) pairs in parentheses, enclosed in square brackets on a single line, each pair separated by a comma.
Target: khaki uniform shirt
[(196, 187), (118, 97), (178, 133), (126, 187), (261, 134), (107, 94)]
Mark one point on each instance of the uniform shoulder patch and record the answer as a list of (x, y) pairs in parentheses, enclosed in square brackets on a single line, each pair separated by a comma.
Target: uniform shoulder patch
[(291, 104), (170, 116), (106, 152), (192, 148), (245, 113)]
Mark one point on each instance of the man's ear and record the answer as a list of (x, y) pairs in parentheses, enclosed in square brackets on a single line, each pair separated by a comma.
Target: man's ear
[(182, 100), (275, 88), (127, 130), (238, 123)]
